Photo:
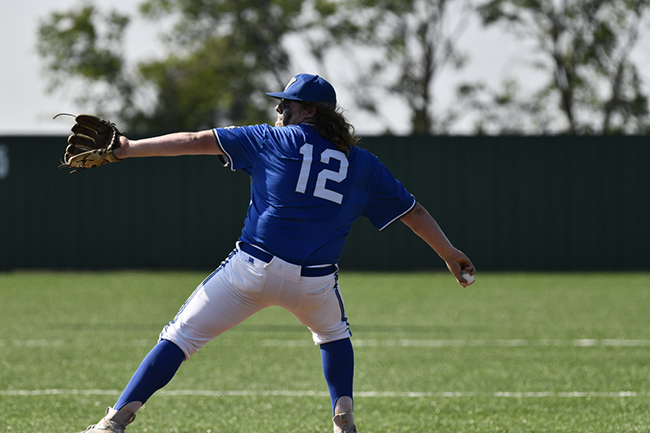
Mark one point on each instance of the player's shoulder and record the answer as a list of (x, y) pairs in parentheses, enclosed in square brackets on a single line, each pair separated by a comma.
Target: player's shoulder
[(255, 131), (363, 155), (288, 131)]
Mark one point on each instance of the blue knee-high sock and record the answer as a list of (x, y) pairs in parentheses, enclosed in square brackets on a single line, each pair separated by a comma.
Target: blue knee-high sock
[(338, 366), (155, 371)]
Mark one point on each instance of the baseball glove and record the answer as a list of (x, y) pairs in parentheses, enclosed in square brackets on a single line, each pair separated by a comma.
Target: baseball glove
[(91, 144)]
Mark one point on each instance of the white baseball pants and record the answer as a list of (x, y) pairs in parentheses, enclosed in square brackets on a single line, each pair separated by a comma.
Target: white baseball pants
[(244, 285)]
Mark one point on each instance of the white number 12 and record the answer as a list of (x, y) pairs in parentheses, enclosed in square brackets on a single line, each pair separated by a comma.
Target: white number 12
[(307, 151)]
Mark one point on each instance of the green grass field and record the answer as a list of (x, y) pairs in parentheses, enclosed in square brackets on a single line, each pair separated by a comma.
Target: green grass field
[(512, 353)]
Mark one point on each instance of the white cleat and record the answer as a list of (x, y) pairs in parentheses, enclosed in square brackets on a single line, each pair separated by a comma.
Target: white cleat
[(343, 418), (344, 423), (115, 421)]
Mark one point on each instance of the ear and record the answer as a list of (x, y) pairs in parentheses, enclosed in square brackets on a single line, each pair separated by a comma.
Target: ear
[(308, 112)]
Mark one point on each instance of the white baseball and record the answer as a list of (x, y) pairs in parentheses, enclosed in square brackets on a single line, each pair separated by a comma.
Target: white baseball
[(469, 278)]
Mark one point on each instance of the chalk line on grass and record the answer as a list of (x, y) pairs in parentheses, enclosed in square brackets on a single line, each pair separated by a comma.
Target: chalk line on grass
[(583, 342), (367, 394), (586, 342)]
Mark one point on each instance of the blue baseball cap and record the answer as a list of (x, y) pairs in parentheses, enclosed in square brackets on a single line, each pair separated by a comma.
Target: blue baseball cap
[(307, 87)]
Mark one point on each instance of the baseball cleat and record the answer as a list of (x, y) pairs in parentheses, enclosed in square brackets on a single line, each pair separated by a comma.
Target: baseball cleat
[(344, 423), (343, 417), (115, 421)]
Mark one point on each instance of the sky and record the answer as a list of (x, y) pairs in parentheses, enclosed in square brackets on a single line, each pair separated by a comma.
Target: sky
[(27, 107)]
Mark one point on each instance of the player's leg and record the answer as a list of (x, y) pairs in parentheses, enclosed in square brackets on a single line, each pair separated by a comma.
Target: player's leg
[(213, 308), (338, 367), (155, 371), (322, 310), (226, 298)]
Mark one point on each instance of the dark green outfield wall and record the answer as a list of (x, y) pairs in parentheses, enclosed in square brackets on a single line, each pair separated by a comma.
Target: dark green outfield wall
[(511, 203)]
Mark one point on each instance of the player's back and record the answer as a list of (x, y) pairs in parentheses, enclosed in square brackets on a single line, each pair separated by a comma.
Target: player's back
[(305, 193)]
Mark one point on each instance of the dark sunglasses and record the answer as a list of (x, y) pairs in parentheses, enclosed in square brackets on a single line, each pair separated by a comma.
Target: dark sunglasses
[(284, 102)]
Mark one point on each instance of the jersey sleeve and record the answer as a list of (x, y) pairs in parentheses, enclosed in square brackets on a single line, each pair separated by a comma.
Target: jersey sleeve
[(388, 199), (241, 145)]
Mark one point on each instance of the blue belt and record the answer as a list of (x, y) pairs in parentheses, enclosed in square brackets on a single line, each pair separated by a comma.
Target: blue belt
[(305, 271)]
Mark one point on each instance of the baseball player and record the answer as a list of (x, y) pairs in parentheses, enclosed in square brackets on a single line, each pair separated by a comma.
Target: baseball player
[(309, 182)]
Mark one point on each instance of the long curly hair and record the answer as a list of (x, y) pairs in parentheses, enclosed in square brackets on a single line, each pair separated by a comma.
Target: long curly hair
[(332, 125)]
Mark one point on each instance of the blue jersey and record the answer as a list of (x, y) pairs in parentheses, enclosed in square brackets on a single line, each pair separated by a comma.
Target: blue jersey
[(305, 193)]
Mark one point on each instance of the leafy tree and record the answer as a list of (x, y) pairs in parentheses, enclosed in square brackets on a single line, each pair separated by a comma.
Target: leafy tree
[(224, 54), (231, 53), (506, 111), (410, 43), (584, 47), (221, 56), (82, 48)]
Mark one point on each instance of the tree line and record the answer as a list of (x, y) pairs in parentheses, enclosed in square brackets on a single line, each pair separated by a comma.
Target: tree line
[(221, 56)]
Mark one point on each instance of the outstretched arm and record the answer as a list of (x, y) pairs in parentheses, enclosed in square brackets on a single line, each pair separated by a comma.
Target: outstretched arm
[(423, 225), (180, 143)]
